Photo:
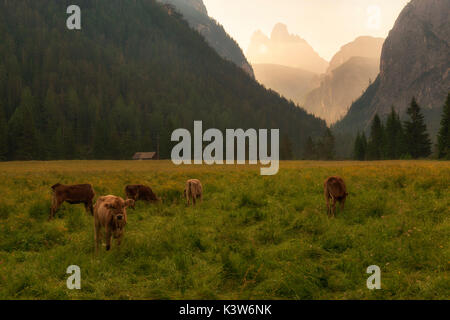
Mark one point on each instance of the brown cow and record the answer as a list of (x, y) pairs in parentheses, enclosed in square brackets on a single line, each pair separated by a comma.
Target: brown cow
[(193, 190), (140, 192), (73, 194), (334, 188), (110, 212)]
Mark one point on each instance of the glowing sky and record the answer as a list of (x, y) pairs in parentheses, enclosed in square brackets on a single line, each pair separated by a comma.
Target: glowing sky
[(325, 24)]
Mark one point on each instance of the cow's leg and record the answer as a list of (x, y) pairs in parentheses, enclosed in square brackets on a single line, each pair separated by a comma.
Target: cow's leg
[(91, 208), (108, 235), (119, 239), (334, 207), (134, 204), (56, 204), (189, 195), (87, 207), (343, 204), (52, 209)]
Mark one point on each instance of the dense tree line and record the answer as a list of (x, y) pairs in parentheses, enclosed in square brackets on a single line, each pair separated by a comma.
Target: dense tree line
[(395, 139), (321, 148), (131, 74), (443, 145)]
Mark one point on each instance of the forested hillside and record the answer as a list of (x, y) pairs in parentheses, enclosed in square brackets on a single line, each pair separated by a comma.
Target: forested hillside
[(132, 73), (194, 11)]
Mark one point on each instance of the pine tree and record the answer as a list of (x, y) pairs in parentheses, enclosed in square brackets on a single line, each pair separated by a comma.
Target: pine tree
[(49, 124), (376, 143), (310, 149), (364, 144), (360, 148), (59, 144), (22, 133), (394, 136), (3, 136), (357, 147), (325, 146), (444, 132), (286, 148), (418, 142)]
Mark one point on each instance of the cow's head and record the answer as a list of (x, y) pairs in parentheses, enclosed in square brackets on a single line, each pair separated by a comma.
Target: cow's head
[(130, 203), (118, 207)]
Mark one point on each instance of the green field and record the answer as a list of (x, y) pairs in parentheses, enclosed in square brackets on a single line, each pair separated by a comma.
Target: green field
[(253, 237)]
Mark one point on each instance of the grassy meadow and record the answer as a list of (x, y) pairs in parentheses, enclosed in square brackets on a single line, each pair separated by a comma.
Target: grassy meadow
[(253, 237)]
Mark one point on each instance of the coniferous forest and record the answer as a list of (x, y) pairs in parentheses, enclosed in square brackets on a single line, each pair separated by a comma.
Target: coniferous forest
[(131, 76), (409, 139)]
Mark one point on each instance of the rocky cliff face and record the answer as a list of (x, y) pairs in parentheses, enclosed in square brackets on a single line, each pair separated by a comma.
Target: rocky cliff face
[(340, 87), (415, 61), (351, 69), (285, 49), (195, 12)]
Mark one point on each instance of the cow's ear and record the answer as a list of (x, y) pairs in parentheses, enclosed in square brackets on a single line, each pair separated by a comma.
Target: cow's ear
[(129, 203)]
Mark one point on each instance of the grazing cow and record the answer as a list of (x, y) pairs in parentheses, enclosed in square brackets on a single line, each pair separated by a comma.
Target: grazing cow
[(110, 212), (193, 190), (73, 194), (140, 192), (334, 188)]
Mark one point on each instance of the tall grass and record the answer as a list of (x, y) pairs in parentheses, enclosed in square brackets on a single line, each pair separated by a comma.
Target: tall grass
[(253, 237)]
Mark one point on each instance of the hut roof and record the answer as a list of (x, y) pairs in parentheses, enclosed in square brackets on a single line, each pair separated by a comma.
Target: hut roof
[(144, 155)]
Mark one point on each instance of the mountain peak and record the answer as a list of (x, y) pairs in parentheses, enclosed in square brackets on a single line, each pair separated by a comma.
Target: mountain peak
[(286, 49), (279, 32)]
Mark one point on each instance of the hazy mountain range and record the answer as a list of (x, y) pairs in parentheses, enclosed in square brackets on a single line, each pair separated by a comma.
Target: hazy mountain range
[(287, 64)]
